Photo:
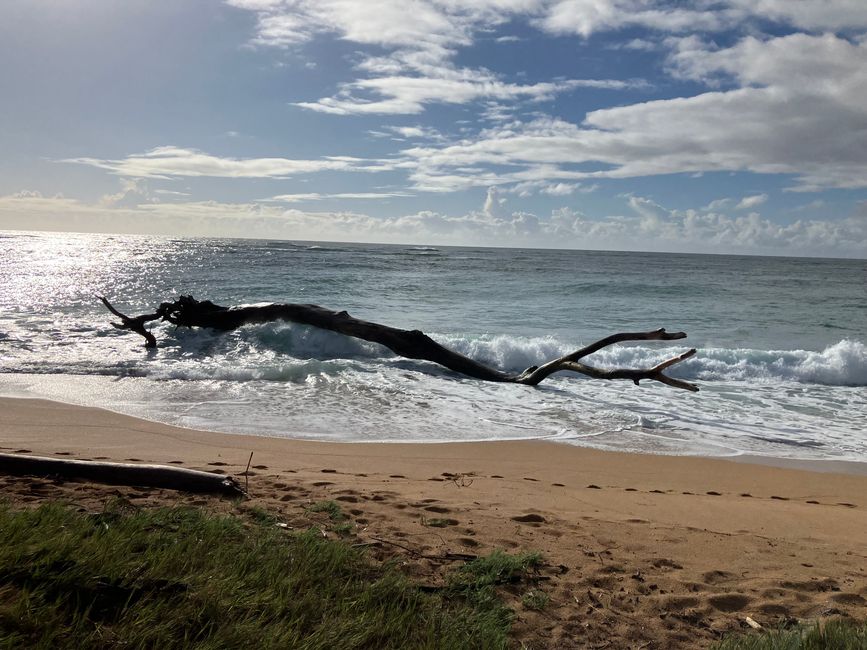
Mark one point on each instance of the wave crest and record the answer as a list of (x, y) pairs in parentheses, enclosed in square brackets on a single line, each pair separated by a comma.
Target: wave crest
[(841, 364)]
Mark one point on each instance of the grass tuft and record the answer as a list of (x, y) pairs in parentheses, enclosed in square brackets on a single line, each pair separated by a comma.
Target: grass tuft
[(535, 600), (331, 508), (837, 634)]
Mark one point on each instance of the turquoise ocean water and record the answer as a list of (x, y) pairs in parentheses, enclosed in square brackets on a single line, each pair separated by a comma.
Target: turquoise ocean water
[(781, 362)]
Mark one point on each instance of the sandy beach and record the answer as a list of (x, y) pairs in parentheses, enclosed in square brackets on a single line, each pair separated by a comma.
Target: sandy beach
[(641, 551)]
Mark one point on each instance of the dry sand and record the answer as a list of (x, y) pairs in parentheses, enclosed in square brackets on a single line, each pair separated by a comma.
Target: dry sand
[(641, 551)]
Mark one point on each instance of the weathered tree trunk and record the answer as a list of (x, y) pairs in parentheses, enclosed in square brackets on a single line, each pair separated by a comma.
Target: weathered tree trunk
[(157, 476), (413, 344)]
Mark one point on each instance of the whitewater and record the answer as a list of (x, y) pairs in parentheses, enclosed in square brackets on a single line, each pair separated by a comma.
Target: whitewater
[(782, 361)]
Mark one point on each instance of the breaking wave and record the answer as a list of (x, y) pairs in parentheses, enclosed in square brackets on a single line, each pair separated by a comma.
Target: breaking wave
[(841, 364)]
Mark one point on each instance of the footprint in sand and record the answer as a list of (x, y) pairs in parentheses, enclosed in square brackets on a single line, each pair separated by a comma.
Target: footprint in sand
[(527, 478), (712, 493), (134, 460), (828, 584), (396, 476), (680, 603), (322, 483), (436, 478), (496, 476), (441, 523), (214, 464), (467, 541), (260, 467), (849, 599), (176, 462), (630, 490), (22, 451), (780, 498), (329, 471), (348, 498), (716, 577), (437, 509), (665, 563), (530, 518), (729, 602), (593, 487), (62, 453), (558, 484)]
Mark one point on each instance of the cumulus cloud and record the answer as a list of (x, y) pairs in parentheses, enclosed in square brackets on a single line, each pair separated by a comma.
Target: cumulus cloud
[(585, 17), (650, 226), (420, 37), (750, 202), (801, 111)]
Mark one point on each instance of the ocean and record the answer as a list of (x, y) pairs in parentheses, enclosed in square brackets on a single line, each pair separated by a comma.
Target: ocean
[(781, 362)]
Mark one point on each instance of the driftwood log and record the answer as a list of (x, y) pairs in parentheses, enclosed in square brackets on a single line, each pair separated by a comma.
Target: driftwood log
[(186, 311), (157, 476)]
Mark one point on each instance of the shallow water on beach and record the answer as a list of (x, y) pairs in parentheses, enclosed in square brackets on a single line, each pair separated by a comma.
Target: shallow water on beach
[(781, 362)]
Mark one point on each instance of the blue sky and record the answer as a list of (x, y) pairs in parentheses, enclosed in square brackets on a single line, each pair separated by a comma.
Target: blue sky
[(733, 126)]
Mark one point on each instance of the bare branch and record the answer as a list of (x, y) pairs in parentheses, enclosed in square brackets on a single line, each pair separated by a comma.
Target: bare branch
[(533, 375), (136, 324), (412, 344)]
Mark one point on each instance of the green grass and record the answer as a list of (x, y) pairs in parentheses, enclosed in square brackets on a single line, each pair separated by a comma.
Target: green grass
[(476, 582), (536, 600), (496, 569), (331, 508), (837, 634), (181, 578)]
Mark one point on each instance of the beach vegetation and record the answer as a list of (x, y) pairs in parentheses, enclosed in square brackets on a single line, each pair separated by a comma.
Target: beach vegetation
[(331, 508), (497, 568), (182, 578), (536, 600), (835, 634)]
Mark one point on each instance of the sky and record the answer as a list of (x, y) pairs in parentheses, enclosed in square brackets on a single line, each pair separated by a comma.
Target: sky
[(726, 126)]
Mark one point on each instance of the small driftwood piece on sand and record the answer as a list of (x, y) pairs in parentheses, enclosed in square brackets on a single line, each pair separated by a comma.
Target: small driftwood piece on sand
[(186, 311), (156, 476)]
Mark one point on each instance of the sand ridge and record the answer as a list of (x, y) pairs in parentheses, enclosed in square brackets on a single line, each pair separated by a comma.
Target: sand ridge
[(640, 551)]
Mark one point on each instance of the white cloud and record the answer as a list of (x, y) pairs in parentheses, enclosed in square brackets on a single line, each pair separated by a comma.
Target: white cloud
[(652, 227), (170, 162), (315, 196), (421, 39), (802, 111), (407, 94), (585, 17), (749, 202)]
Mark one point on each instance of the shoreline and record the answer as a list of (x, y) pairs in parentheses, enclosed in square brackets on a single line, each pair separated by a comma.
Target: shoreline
[(651, 551), (820, 465)]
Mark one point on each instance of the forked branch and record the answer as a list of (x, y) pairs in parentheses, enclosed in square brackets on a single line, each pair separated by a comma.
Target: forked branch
[(188, 312)]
